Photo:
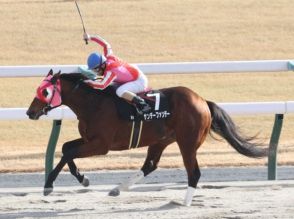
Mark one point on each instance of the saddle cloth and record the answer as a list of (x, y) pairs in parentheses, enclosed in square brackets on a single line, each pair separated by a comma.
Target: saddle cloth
[(157, 101)]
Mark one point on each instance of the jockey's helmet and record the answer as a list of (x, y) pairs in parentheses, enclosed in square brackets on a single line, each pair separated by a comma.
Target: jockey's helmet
[(95, 60)]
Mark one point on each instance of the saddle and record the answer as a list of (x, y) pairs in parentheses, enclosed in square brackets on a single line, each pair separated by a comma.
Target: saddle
[(156, 99)]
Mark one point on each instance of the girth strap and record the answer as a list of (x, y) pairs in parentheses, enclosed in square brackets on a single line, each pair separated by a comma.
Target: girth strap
[(135, 133)]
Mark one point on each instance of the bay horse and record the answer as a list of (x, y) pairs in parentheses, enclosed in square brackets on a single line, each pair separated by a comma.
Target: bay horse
[(102, 130)]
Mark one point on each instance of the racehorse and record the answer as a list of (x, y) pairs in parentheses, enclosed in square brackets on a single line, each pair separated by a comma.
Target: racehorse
[(102, 130)]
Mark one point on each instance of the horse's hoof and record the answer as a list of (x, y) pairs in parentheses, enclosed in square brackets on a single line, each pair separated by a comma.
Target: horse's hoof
[(85, 182), (114, 192), (47, 191)]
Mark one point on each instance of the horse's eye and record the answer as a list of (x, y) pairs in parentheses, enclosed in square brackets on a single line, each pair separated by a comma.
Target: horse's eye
[(45, 93)]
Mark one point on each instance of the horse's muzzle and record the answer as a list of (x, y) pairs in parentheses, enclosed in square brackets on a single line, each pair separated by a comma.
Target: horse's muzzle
[(34, 115)]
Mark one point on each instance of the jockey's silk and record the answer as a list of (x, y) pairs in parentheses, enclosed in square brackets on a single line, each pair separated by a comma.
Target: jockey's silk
[(116, 69), (124, 72), (53, 97)]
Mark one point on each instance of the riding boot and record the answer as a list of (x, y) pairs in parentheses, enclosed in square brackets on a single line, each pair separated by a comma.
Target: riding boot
[(141, 105)]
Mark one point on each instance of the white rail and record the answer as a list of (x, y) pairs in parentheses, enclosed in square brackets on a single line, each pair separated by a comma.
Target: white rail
[(250, 108), (162, 68), (152, 68)]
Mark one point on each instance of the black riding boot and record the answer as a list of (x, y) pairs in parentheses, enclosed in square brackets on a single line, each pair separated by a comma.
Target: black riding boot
[(142, 106)]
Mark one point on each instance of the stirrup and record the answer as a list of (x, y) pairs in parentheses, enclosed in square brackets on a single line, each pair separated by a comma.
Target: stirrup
[(140, 105), (146, 108), (142, 108)]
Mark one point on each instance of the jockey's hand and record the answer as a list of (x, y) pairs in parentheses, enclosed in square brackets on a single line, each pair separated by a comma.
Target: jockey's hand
[(93, 84), (88, 82)]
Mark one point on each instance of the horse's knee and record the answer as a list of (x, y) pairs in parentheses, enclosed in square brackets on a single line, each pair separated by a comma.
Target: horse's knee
[(69, 156), (65, 147)]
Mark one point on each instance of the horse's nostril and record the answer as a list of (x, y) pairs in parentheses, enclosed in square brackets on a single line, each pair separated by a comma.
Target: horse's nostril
[(30, 114)]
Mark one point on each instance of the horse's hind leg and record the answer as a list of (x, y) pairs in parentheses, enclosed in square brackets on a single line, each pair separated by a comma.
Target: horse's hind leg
[(189, 140), (193, 172), (153, 156), (188, 145), (71, 165)]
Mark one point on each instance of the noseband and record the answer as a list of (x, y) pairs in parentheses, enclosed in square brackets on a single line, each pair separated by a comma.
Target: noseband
[(48, 107), (56, 91)]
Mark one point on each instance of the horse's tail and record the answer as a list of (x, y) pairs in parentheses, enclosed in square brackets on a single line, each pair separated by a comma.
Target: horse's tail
[(223, 125)]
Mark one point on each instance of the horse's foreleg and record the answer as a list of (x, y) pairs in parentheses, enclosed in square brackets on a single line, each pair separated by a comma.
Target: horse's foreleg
[(48, 188), (75, 172), (153, 156), (71, 165), (80, 151), (127, 184)]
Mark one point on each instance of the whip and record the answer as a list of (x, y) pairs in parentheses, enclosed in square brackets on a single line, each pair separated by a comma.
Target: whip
[(81, 20)]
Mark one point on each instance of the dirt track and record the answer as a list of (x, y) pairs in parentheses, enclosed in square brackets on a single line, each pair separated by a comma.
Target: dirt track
[(50, 32), (212, 200), (160, 195)]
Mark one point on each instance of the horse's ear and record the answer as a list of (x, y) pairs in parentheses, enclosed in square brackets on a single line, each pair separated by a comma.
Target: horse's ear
[(58, 74), (55, 77), (50, 72)]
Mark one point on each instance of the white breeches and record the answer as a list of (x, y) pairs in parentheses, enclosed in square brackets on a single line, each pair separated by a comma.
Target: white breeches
[(136, 86)]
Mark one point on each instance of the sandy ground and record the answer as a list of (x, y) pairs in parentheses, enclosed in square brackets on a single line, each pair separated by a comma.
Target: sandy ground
[(259, 199), (50, 32), (221, 193)]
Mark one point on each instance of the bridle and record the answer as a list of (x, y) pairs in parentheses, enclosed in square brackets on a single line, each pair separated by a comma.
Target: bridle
[(56, 91)]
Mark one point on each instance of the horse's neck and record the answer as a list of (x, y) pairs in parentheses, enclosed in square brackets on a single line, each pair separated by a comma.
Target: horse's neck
[(79, 100)]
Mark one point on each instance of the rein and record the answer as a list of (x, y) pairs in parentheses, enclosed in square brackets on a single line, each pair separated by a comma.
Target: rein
[(55, 82), (48, 107), (77, 85)]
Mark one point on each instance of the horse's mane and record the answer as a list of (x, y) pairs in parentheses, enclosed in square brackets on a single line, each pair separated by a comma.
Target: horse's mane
[(78, 78), (73, 77)]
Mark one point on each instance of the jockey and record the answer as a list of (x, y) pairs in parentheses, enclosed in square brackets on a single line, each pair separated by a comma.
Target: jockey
[(130, 79)]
